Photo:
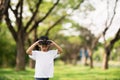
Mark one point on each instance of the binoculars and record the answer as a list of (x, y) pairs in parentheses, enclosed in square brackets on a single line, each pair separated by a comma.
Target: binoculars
[(45, 42)]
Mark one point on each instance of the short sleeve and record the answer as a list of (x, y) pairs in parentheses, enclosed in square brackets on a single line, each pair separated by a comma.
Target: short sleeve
[(55, 53), (33, 56)]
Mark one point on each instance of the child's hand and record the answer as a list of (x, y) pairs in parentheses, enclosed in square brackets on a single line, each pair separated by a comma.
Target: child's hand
[(57, 46), (51, 42), (39, 42)]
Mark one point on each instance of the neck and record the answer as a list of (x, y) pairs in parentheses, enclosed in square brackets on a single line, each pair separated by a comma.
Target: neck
[(44, 50)]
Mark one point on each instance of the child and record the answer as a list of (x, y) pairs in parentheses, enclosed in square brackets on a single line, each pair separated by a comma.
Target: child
[(44, 59)]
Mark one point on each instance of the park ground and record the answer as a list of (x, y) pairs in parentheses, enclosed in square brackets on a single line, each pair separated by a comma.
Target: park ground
[(67, 72)]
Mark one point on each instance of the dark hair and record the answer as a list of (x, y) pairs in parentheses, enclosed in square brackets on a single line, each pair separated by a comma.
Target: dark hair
[(45, 40), (41, 38)]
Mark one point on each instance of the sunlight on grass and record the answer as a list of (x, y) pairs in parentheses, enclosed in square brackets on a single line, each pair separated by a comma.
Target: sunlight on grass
[(11, 74), (65, 72)]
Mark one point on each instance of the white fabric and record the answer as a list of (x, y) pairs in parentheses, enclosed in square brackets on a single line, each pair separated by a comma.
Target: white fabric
[(44, 66)]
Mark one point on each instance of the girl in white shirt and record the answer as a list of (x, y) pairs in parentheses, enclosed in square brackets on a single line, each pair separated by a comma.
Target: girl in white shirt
[(44, 58)]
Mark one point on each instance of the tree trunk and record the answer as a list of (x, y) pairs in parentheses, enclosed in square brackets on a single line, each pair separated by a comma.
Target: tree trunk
[(31, 63), (91, 62), (106, 59), (3, 7), (91, 57), (20, 57)]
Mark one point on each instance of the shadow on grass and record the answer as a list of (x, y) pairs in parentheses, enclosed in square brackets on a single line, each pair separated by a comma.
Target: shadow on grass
[(3, 78)]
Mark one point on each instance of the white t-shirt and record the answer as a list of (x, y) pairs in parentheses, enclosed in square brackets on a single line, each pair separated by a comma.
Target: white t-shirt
[(44, 66)]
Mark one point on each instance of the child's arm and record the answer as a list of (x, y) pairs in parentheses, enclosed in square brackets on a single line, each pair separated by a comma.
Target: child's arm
[(57, 46), (29, 50)]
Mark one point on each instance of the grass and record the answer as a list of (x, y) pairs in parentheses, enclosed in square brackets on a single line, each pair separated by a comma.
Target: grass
[(11, 74), (65, 72)]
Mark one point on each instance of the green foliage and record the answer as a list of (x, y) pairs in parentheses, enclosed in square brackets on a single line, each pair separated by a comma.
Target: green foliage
[(45, 6), (98, 54), (75, 40), (115, 54), (117, 44), (7, 48), (32, 4), (55, 31), (69, 3)]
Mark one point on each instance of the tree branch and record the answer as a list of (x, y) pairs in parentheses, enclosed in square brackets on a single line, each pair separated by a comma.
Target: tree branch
[(20, 18), (117, 37), (15, 13), (10, 27), (78, 5), (47, 14), (52, 26), (37, 22), (34, 15), (17, 6), (94, 42), (114, 12), (50, 10), (3, 7)]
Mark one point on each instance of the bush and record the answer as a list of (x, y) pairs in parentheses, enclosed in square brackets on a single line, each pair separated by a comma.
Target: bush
[(7, 48)]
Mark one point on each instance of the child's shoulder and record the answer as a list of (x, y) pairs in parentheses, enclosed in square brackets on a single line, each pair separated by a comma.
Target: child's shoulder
[(36, 51), (53, 50)]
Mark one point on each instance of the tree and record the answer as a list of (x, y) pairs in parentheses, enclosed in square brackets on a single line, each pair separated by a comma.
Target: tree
[(90, 42), (108, 46), (71, 46), (60, 16), (21, 26), (89, 39), (20, 30), (3, 7)]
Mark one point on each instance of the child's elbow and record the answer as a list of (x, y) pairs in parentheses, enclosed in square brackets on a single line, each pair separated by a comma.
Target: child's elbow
[(60, 51), (28, 52)]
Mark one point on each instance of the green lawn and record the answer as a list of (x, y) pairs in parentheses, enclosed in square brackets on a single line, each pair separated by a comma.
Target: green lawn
[(65, 72)]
